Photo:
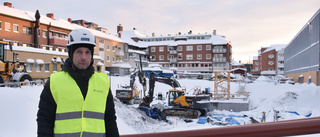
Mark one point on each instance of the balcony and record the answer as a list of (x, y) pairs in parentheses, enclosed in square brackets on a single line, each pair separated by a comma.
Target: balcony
[(219, 59), (119, 53), (219, 50), (57, 41), (173, 51), (173, 60)]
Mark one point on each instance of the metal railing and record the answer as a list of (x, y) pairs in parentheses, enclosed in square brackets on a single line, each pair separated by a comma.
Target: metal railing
[(269, 129)]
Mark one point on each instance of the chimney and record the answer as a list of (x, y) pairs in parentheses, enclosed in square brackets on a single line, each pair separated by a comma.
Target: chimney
[(8, 4), (134, 29), (190, 32), (70, 20), (50, 15), (179, 33), (214, 32), (119, 28)]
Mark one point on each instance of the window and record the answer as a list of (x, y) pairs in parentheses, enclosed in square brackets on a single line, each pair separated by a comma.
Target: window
[(208, 47), (108, 58), (24, 30), (199, 47), (179, 48), (29, 67), (119, 59), (270, 62), (30, 31), (15, 28), (7, 26), (38, 68), (180, 56), (153, 57), (189, 48), (257, 63), (113, 59), (119, 48), (101, 49), (54, 67), (44, 33), (46, 67), (38, 32), (153, 49), (208, 56), (161, 49), (50, 34), (108, 47), (0, 25), (271, 56), (199, 56), (189, 57), (113, 48), (161, 57)]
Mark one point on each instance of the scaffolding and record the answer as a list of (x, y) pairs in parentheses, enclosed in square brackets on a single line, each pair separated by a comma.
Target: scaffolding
[(221, 85)]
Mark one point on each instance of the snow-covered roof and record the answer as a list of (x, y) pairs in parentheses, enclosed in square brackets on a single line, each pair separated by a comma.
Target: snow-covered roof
[(279, 46), (268, 49), (235, 63), (210, 39), (37, 50), (238, 69), (136, 51), (61, 23)]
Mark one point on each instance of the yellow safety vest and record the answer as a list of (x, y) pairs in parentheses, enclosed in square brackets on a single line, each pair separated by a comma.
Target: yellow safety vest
[(76, 117)]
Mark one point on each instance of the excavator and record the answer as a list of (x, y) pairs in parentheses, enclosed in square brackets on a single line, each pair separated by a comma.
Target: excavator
[(11, 71), (129, 94), (181, 105)]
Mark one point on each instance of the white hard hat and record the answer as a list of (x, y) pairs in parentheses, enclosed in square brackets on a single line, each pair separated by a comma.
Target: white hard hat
[(81, 36)]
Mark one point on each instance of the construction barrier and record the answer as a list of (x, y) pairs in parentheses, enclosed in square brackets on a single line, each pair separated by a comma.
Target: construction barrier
[(269, 129)]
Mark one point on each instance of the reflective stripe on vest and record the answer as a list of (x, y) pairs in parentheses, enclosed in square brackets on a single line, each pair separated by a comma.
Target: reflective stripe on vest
[(76, 117)]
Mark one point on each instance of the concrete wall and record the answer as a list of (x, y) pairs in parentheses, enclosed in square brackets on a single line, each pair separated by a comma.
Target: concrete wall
[(306, 75)]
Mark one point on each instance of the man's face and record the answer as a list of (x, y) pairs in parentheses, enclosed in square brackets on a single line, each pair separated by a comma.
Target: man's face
[(82, 58)]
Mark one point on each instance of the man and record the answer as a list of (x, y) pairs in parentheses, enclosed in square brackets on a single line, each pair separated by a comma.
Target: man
[(77, 102)]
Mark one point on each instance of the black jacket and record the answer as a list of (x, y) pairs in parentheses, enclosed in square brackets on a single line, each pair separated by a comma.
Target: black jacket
[(47, 105)]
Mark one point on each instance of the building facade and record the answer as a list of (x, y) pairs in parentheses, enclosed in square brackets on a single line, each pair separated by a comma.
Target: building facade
[(301, 56), (195, 53), (41, 47), (270, 61)]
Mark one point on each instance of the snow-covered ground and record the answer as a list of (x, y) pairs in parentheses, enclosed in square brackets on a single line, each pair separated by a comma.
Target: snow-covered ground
[(19, 106)]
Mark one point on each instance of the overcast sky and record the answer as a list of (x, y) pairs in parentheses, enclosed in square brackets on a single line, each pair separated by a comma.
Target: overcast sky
[(248, 24)]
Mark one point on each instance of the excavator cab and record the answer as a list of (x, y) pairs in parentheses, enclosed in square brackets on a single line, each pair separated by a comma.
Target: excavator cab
[(174, 95)]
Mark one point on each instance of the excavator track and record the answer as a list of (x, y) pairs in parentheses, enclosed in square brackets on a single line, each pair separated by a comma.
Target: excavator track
[(183, 112)]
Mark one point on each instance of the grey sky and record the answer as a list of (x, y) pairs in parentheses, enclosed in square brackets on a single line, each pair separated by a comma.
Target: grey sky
[(248, 24)]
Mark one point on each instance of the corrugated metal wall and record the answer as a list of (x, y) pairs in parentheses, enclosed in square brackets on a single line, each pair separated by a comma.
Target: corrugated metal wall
[(302, 53)]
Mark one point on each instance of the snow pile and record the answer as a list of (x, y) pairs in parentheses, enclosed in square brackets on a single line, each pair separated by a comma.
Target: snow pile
[(19, 107), (137, 121)]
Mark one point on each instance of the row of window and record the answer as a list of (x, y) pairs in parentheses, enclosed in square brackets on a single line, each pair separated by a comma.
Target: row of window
[(28, 31), (172, 38), (180, 48), (180, 57), (39, 67), (113, 59), (182, 65), (113, 48)]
